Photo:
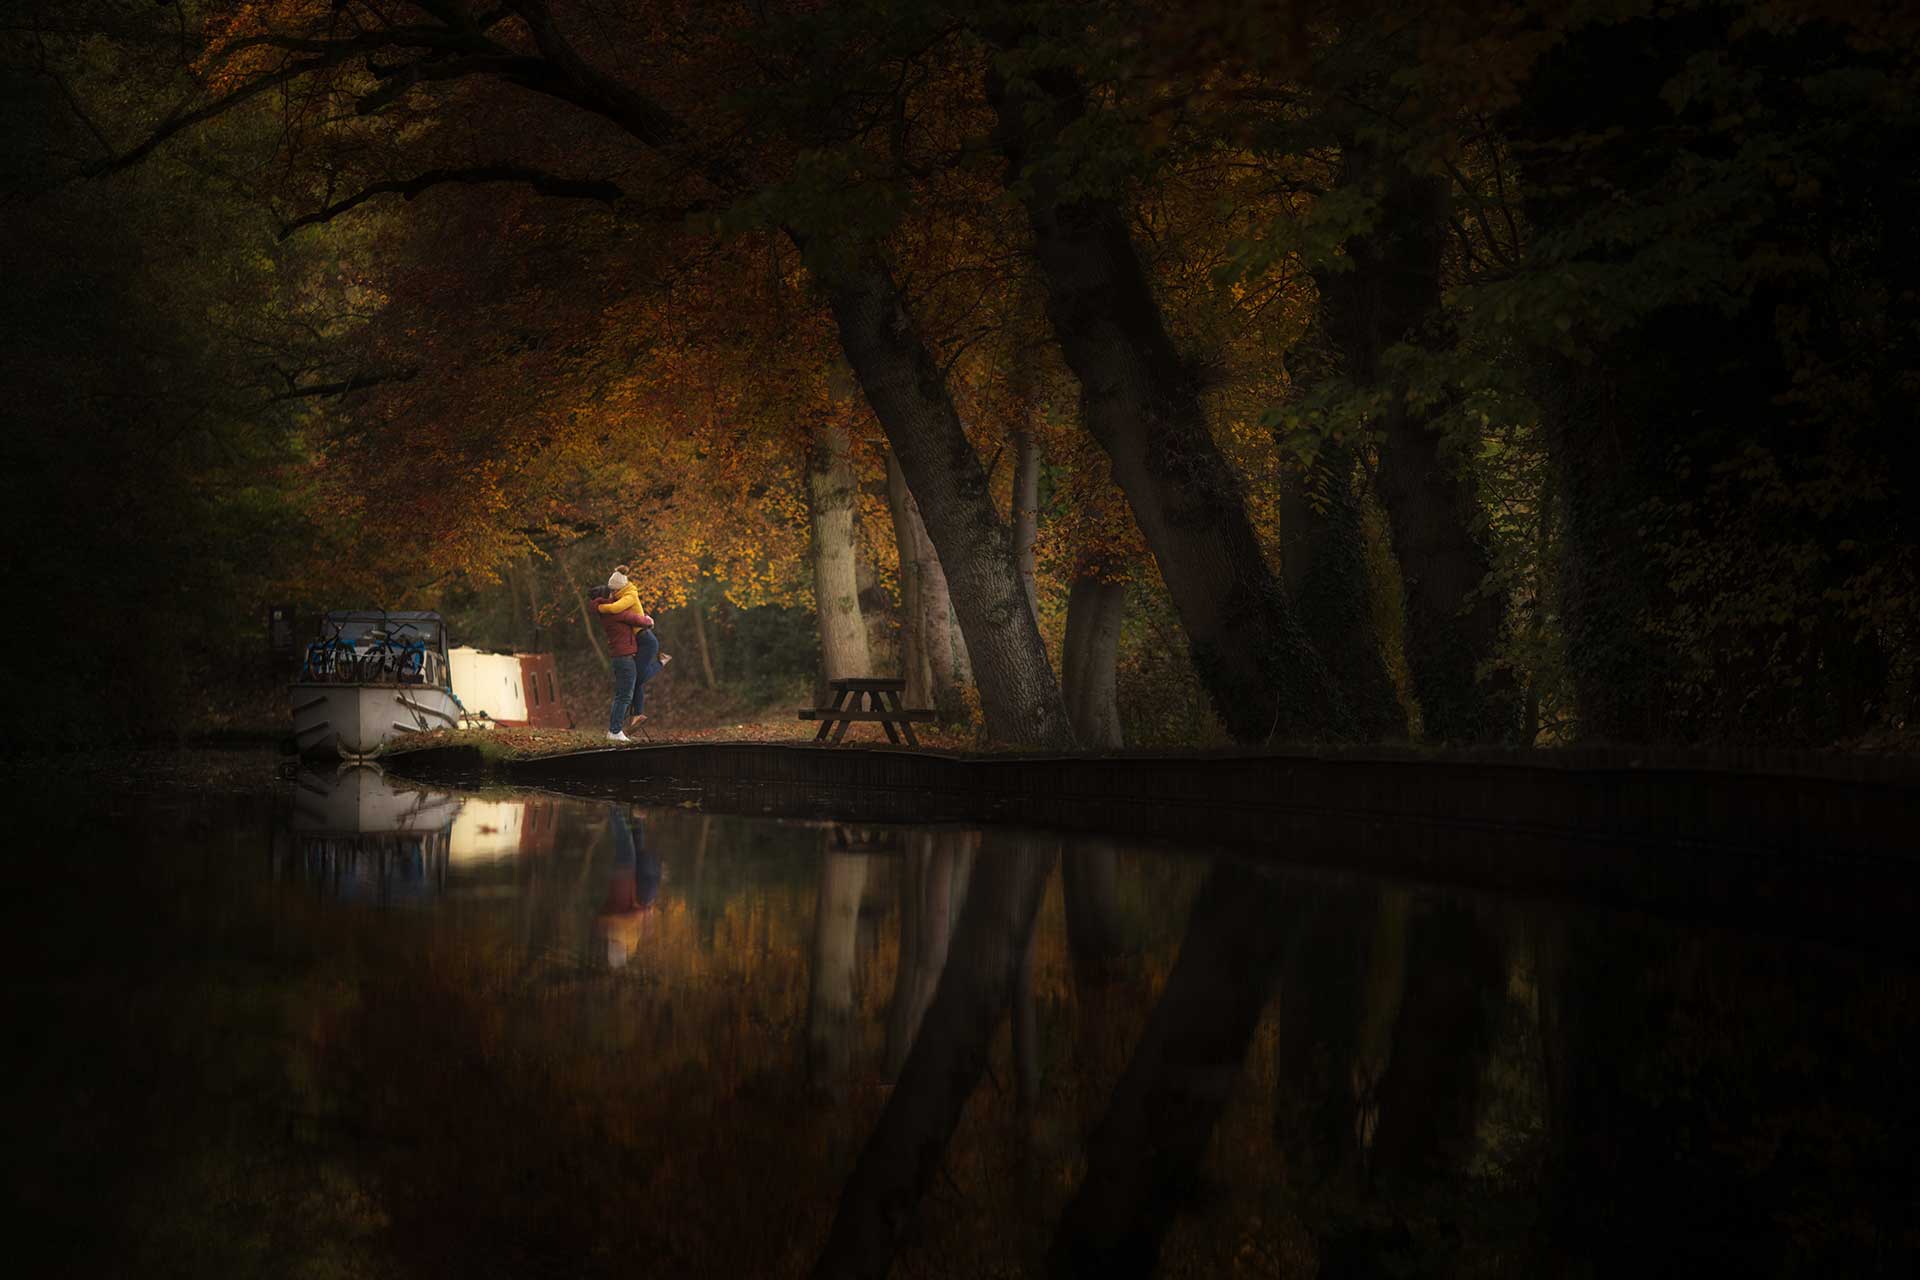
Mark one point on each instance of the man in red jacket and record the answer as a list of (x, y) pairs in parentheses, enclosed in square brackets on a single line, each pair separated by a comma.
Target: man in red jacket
[(622, 630)]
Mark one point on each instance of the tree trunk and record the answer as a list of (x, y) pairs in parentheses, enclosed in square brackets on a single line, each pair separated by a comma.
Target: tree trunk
[(589, 619), (1141, 403), (836, 591), (908, 1145), (530, 580), (962, 658), (1088, 658), (830, 1017), (1026, 512), (1323, 556), (876, 609), (916, 640), (1388, 292), (701, 643), (927, 629), (909, 397)]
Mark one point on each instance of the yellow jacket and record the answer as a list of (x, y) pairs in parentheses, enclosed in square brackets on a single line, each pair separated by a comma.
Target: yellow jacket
[(629, 598)]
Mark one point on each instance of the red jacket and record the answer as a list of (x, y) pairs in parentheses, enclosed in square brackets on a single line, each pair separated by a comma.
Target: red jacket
[(620, 628)]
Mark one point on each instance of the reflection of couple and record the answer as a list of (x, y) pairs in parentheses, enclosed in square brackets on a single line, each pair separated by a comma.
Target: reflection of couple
[(636, 652), (633, 885)]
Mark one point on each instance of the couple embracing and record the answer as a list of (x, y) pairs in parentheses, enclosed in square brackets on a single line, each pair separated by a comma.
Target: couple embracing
[(636, 652)]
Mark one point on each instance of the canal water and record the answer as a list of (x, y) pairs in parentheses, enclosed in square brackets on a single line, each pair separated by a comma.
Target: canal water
[(345, 1025)]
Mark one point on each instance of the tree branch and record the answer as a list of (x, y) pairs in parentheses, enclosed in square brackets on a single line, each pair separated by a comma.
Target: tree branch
[(342, 387), (632, 111), (401, 79), (186, 120), (545, 183)]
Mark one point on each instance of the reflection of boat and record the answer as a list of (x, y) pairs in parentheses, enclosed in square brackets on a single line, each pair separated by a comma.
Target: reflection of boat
[(361, 799), (486, 829), (365, 835), (371, 676)]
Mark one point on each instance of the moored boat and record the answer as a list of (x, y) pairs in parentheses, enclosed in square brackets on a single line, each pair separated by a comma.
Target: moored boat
[(372, 675)]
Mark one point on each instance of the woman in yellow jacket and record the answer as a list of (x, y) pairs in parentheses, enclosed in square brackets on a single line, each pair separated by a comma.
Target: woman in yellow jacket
[(647, 660)]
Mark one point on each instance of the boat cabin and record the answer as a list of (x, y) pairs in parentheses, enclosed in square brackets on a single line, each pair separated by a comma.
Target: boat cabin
[(510, 689)]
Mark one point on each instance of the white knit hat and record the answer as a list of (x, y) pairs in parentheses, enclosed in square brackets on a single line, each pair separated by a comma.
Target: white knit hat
[(617, 581)]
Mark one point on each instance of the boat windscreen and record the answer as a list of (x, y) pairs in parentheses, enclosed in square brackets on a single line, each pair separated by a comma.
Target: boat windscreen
[(354, 625)]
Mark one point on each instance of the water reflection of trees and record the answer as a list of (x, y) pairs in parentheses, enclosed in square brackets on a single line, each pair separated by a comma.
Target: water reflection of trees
[(826, 1049), (1457, 1087)]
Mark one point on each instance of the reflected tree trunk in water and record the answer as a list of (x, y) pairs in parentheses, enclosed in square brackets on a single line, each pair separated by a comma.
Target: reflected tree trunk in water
[(926, 913), (1143, 1158), (1626, 1137), (1089, 880), (1317, 1116), (1387, 1016), (1429, 1095), (1090, 885), (830, 1019), (908, 1145), (902, 1015), (1383, 996), (1026, 1029)]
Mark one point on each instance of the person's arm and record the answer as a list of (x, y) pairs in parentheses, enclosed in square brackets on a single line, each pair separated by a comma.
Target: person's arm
[(628, 597), (636, 619)]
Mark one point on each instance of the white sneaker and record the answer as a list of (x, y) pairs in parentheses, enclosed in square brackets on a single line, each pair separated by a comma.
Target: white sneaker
[(618, 737)]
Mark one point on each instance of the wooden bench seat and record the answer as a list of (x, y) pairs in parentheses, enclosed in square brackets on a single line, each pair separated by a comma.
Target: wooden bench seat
[(916, 715)]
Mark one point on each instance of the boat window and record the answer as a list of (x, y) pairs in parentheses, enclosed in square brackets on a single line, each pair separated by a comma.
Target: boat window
[(533, 687), (550, 686)]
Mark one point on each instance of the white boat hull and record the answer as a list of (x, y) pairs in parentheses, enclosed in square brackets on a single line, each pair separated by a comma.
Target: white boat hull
[(360, 798), (361, 719)]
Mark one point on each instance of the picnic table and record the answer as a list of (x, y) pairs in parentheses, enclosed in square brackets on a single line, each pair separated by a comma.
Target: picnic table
[(881, 695)]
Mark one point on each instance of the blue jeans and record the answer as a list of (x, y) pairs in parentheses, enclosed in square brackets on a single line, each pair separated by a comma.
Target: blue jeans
[(630, 676)]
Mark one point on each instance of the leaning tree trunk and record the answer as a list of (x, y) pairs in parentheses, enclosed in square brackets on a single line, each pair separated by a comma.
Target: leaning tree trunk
[(909, 396), (836, 589), (926, 614), (1026, 512), (1323, 557), (1142, 404), (1088, 658), (1388, 292)]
